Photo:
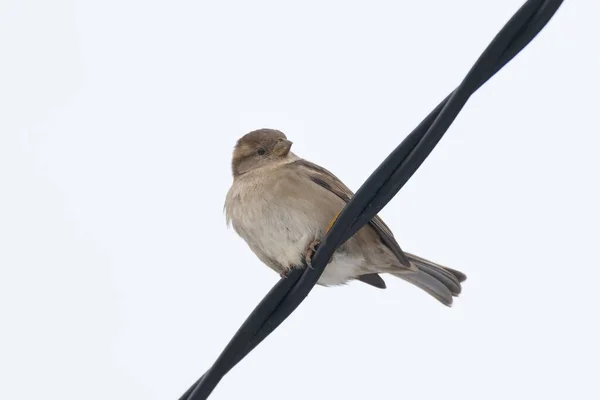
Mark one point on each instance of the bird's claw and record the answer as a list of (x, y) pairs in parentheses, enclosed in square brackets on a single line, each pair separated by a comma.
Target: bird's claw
[(310, 252)]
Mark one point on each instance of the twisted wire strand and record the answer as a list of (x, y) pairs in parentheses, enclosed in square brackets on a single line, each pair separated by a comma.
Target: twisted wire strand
[(376, 192)]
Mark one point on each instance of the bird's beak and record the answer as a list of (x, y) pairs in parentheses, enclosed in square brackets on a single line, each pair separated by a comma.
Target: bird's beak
[(283, 147)]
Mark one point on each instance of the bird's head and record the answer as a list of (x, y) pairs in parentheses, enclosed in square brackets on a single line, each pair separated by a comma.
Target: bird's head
[(259, 148)]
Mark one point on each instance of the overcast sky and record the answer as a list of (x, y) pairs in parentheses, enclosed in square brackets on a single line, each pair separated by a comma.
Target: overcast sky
[(120, 280)]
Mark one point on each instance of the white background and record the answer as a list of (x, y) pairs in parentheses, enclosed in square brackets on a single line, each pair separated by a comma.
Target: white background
[(120, 280)]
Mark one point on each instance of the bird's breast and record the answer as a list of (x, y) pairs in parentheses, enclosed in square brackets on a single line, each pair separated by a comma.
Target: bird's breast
[(271, 222)]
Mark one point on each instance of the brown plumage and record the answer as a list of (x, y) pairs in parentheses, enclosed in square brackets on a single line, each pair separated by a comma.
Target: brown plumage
[(281, 205)]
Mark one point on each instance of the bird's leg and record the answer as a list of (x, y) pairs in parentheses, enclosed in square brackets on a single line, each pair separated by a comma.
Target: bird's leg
[(312, 246), (310, 252)]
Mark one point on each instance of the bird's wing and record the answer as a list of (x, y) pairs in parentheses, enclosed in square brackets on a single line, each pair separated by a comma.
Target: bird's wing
[(329, 181)]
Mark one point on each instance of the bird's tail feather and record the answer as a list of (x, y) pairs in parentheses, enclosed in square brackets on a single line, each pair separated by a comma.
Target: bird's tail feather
[(441, 282)]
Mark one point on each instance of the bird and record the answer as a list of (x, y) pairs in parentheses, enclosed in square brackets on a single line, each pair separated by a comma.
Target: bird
[(281, 205)]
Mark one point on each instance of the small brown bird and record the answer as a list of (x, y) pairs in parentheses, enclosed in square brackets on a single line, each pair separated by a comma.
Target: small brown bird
[(281, 205)]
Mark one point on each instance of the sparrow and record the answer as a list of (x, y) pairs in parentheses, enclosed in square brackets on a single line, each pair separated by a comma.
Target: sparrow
[(281, 205)]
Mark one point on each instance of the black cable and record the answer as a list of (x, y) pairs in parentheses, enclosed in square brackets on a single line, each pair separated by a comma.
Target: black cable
[(526, 23), (376, 192)]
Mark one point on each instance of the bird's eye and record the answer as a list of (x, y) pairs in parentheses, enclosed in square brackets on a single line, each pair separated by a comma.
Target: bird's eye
[(260, 151)]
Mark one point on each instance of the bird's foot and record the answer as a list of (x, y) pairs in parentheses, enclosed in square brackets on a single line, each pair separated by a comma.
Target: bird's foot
[(310, 252)]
